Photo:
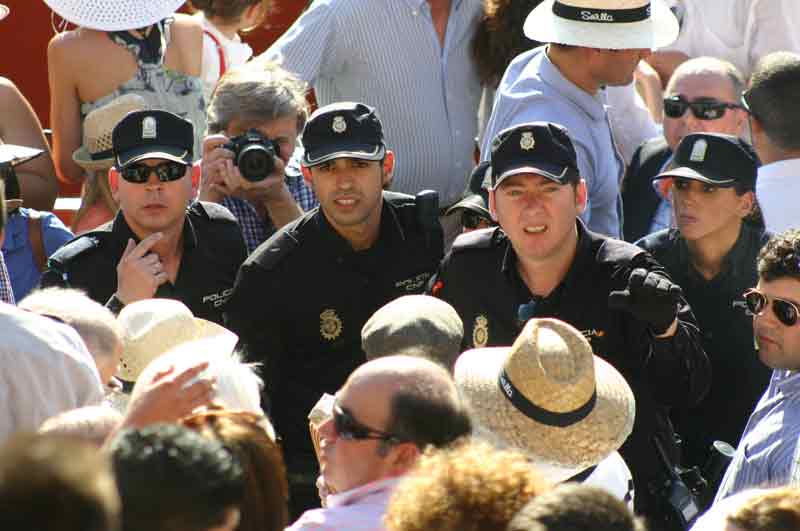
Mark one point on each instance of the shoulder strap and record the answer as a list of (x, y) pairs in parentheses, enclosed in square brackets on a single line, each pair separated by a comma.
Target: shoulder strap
[(37, 242), (220, 51)]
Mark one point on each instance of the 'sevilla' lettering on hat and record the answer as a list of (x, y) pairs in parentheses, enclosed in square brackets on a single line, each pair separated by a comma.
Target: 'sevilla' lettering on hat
[(508, 389), (582, 14), (596, 17)]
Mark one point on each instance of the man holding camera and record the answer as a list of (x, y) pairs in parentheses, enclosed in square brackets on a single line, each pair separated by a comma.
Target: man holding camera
[(162, 243), (301, 298), (254, 118)]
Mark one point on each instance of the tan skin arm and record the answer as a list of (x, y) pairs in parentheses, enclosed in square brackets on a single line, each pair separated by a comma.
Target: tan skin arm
[(65, 117), (19, 125)]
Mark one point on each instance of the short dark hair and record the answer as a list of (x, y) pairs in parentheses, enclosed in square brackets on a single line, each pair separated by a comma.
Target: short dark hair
[(427, 420), (780, 256), (575, 507), (172, 478), (773, 100), (55, 483)]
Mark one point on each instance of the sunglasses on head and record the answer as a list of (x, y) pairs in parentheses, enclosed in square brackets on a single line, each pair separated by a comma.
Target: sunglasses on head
[(675, 107), (166, 171), (785, 311), (349, 429)]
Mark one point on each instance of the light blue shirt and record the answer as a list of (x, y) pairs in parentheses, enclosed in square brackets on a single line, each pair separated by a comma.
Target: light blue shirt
[(533, 89), (386, 53), (766, 451)]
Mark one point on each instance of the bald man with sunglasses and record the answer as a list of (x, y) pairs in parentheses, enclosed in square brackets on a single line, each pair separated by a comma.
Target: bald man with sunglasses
[(767, 453), (701, 97), (162, 243)]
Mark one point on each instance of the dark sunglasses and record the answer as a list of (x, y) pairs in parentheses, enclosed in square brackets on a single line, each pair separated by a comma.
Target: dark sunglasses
[(349, 429), (675, 107), (473, 220), (166, 172), (785, 311)]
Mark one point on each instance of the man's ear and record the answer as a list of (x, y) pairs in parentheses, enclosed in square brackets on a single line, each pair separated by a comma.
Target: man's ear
[(581, 196), (196, 174), (306, 171), (388, 168), (113, 183), (404, 457)]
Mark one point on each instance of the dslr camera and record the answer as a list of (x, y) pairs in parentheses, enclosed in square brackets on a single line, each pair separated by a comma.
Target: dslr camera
[(254, 155)]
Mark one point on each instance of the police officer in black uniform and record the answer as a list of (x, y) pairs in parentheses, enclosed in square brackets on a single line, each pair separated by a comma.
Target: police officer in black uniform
[(161, 243), (712, 254), (302, 297), (543, 262)]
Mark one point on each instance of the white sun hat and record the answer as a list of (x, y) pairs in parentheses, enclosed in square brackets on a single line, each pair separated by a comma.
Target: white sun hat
[(3, 11), (549, 396), (114, 15), (607, 24)]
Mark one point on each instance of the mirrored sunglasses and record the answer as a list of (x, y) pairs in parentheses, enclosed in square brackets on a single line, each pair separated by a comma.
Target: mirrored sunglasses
[(166, 171), (675, 107), (785, 311)]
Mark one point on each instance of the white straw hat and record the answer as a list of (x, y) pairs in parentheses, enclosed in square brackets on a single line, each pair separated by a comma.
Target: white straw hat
[(3, 11), (96, 153), (608, 24), (549, 396), (152, 327), (114, 15)]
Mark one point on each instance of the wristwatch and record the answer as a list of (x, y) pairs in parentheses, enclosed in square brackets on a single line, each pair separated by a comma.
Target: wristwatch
[(115, 304)]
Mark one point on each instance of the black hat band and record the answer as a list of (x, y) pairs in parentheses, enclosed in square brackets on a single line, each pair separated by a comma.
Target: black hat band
[(541, 415), (588, 14)]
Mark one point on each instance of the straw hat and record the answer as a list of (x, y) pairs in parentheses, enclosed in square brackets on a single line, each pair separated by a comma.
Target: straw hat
[(95, 153), (610, 24), (3, 11), (549, 396), (114, 15), (152, 327)]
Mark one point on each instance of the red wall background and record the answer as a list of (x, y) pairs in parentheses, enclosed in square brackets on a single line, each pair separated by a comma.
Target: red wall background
[(24, 35)]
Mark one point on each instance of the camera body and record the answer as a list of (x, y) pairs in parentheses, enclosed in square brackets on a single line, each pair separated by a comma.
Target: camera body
[(254, 154)]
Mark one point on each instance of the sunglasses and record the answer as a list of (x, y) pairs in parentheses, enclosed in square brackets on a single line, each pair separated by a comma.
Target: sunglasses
[(166, 172), (473, 220), (349, 429), (785, 311), (675, 107)]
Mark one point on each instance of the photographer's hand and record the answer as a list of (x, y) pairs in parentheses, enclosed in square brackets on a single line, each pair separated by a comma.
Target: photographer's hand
[(213, 184), (271, 193)]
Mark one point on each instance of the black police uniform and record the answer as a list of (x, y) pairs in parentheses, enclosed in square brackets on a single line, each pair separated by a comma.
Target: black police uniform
[(480, 279), (301, 300), (727, 338), (213, 250)]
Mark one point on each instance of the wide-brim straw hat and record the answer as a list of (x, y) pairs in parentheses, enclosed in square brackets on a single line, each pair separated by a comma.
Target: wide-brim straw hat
[(96, 153), (549, 396), (152, 327), (607, 24), (114, 15)]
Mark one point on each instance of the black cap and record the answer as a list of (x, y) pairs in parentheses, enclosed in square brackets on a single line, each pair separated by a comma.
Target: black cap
[(344, 129), (538, 147), (721, 160), (152, 135), (476, 196)]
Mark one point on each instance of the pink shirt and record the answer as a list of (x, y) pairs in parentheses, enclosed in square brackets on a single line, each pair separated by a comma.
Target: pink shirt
[(358, 509)]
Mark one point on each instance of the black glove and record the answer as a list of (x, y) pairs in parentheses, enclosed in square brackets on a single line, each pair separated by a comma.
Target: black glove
[(651, 297)]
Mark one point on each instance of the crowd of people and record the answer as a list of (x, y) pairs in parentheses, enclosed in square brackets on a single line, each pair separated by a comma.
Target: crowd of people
[(529, 265)]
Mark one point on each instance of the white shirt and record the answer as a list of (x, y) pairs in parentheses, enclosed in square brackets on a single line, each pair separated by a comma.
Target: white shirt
[(739, 31), (234, 50), (777, 190)]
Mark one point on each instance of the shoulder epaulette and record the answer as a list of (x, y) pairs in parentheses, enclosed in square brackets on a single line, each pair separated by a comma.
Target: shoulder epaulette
[(76, 247), (396, 198), (212, 211), (617, 251), (270, 253), (476, 239)]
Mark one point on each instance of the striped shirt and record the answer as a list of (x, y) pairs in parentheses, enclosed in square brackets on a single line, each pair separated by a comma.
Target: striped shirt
[(6, 293), (386, 53), (533, 89), (766, 452)]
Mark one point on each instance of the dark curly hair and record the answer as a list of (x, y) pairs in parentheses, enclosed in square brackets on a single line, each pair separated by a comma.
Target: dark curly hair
[(499, 37), (780, 257), (229, 10)]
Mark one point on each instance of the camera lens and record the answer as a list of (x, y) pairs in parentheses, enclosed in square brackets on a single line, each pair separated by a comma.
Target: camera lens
[(256, 162)]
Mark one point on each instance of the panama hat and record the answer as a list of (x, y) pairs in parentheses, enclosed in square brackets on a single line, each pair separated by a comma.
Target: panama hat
[(152, 327), (549, 396), (96, 153), (609, 24), (114, 15)]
